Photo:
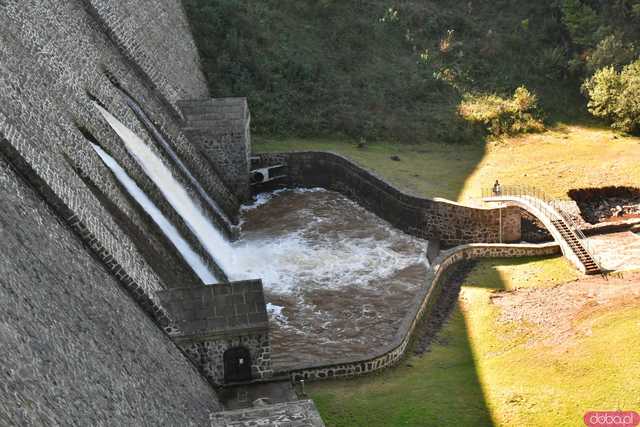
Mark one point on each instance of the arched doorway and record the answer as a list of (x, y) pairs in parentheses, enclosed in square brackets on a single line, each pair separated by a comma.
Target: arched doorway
[(237, 365)]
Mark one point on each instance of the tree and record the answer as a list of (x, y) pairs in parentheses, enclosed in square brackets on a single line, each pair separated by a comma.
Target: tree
[(611, 51), (615, 96), (581, 21)]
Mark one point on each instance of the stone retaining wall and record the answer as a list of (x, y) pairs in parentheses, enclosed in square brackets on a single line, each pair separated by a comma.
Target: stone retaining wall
[(393, 353), (450, 222)]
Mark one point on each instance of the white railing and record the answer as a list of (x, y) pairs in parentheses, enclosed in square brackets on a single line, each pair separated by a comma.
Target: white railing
[(547, 206)]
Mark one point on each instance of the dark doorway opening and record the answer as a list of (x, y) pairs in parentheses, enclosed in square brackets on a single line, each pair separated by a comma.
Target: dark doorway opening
[(237, 365)]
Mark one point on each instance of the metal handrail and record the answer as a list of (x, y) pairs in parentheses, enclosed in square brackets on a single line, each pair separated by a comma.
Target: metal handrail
[(547, 206)]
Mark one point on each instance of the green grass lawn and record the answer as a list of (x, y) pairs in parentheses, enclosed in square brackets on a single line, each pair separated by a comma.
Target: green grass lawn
[(428, 170), (556, 161), (474, 376)]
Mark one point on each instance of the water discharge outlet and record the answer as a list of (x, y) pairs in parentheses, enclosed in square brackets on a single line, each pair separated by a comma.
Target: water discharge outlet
[(211, 238), (196, 263), (157, 135)]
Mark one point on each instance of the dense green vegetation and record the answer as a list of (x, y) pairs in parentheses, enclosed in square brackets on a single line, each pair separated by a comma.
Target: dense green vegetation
[(614, 96), (399, 70)]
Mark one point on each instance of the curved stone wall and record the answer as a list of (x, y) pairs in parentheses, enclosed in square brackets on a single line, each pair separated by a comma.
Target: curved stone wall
[(390, 355), (444, 220)]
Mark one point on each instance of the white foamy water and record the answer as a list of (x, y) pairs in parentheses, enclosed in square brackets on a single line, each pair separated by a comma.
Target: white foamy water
[(276, 311), (308, 252), (209, 236), (182, 246), (174, 157), (264, 198)]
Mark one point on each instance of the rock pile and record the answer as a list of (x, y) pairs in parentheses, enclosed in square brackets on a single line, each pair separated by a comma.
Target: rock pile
[(607, 204), (612, 209)]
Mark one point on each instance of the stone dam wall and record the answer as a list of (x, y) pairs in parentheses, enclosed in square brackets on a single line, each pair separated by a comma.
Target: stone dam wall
[(76, 349), (77, 256), (434, 219), (53, 54)]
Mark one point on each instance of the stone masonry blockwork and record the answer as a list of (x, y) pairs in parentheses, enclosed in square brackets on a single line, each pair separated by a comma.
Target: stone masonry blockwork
[(75, 348), (52, 53), (208, 321), (220, 129)]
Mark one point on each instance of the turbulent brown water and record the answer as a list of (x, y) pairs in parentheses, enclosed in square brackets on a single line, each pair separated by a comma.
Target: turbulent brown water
[(337, 278)]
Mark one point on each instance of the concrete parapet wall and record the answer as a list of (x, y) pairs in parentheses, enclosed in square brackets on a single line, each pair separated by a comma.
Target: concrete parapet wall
[(450, 222), (386, 357)]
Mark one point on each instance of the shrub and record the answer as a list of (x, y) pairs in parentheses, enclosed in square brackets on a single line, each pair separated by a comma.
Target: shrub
[(611, 51), (503, 116), (614, 96)]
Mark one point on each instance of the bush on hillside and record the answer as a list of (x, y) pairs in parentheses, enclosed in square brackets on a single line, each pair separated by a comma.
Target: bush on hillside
[(504, 116), (614, 96), (611, 51)]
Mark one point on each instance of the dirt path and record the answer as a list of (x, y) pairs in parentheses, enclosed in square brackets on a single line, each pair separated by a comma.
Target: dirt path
[(567, 310)]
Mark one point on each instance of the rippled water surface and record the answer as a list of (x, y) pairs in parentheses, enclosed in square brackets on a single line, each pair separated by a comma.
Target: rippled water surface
[(337, 278)]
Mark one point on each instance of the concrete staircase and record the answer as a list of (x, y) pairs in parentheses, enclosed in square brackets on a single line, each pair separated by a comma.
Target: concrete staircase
[(589, 263), (575, 246)]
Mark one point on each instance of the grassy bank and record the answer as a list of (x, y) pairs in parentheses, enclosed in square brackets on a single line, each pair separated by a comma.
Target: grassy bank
[(487, 371), (556, 161), (429, 169)]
